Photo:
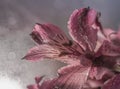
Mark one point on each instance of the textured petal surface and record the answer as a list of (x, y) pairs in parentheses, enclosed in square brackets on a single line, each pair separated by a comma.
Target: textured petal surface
[(47, 51), (53, 44), (41, 51), (83, 27), (109, 32), (69, 68), (100, 73), (114, 36), (74, 78), (108, 49), (113, 83), (49, 33)]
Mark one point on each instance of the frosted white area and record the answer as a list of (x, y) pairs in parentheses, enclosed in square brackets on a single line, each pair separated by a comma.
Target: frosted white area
[(8, 83)]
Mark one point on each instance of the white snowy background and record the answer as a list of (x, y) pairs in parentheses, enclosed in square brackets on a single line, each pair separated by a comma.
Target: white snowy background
[(18, 17)]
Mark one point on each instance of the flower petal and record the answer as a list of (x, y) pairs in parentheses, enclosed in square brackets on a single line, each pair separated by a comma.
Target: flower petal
[(109, 61), (109, 32), (49, 33), (100, 73), (83, 26), (113, 36), (48, 84), (93, 84), (108, 49), (38, 79), (36, 37), (116, 38), (41, 51), (113, 83), (47, 51), (73, 79), (34, 86), (66, 69), (52, 35)]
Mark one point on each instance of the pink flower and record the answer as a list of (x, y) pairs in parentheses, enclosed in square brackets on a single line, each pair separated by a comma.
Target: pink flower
[(92, 57)]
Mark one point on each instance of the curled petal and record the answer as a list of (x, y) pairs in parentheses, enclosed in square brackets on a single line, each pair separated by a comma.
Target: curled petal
[(83, 27), (113, 83), (101, 37), (113, 36), (36, 37), (110, 34), (52, 35), (49, 33)]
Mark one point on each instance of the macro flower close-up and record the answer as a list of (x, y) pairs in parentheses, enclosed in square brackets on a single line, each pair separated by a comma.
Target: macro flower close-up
[(91, 55)]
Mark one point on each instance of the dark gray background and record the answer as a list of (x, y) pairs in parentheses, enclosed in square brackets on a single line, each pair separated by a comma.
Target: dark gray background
[(18, 17)]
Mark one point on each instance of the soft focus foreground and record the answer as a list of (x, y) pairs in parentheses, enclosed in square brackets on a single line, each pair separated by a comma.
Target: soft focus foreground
[(92, 57)]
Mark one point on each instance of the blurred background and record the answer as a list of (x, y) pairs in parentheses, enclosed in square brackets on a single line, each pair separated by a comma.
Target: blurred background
[(17, 19)]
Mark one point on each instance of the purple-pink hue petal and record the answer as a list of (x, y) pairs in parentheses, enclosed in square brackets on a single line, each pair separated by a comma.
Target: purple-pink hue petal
[(41, 51), (93, 56), (83, 29), (35, 86), (50, 33), (108, 49), (113, 83)]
